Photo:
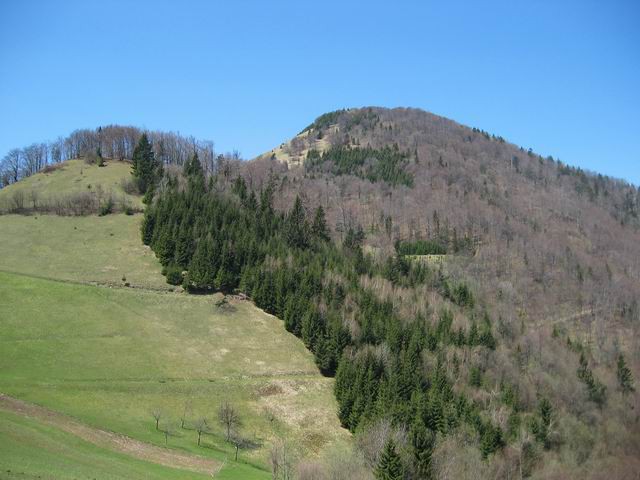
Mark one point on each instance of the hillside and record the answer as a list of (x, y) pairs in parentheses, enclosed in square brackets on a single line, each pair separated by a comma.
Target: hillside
[(552, 238), (471, 305), (74, 187), (550, 251), (91, 330)]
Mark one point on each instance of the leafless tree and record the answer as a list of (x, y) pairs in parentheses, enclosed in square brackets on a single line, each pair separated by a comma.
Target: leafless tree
[(13, 164), (168, 430), (186, 410), (201, 427), (281, 461), (228, 418), (239, 442), (157, 414)]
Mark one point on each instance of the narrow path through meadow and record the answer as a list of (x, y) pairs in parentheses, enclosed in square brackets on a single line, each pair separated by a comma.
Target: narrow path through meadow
[(110, 440)]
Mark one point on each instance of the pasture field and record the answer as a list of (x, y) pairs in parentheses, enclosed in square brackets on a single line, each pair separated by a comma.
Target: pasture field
[(71, 177), (75, 340), (31, 450), (101, 250)]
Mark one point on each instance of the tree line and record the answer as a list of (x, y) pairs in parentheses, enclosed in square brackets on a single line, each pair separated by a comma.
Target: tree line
[(111, 141)]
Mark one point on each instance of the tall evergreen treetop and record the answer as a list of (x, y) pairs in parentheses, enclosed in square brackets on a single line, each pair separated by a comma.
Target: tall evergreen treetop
[(625, 378), (297, 228), (319, 227), (146, 169), (390, 465)]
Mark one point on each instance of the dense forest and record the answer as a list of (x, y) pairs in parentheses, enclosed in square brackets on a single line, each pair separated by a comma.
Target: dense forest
[(411, 367), (288, 265)]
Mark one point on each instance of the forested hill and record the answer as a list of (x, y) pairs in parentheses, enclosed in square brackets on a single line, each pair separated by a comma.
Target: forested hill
[(476, 303), (551, 239), (468, 295)]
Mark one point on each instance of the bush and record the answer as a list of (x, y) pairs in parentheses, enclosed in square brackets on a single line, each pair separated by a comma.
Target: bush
[(107, 207), (420, 247), (174, 275), (129, 186)]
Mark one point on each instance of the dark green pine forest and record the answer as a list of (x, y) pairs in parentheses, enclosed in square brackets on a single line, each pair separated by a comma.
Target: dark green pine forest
[(212, 234)]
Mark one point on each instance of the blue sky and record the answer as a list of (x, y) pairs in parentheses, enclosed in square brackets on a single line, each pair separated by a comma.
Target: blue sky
[(562, 77)]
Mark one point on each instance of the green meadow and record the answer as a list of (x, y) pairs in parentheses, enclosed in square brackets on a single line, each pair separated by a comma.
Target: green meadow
[(74, 338)]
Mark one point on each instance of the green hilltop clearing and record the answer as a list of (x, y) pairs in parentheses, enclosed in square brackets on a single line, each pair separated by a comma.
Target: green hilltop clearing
[(91, 330), (72, 180)]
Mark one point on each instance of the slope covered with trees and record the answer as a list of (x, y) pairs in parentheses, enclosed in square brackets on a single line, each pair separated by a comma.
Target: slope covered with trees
[(477, 303), (425, 349), (551, 251)]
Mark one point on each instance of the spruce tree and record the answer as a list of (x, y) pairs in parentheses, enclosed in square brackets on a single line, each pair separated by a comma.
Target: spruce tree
[(319, 227), (422, 443), (146, 170), (390, 465), (201, 275), (540, 426), (184, 245), (311, 327), (296, 228), (625, 378), (491, 440), (148, 225)]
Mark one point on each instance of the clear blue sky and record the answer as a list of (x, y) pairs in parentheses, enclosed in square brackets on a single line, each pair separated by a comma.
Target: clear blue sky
[(562, 77)]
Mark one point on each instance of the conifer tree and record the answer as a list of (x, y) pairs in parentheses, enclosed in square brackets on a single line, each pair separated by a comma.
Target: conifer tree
[(491, 440), (390, 465), (319, 227), (225, 279), (148, 225), (540, 426), (201, 275), (146, 170), (422, 443), (625, 378), (296, 228), (184, 245), (311, 327), (195, 174), (475, 377), (474, 336)]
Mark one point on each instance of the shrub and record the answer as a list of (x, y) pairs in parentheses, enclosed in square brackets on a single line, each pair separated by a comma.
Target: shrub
[(107, 207), (129, 186), (52, 167), (420, 247), (174, 275)]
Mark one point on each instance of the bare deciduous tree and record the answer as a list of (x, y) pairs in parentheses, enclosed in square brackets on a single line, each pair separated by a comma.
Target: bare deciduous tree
[(229, 418), (201, 427), (168, 430), (186, 410), (156, 413), (281, 461)]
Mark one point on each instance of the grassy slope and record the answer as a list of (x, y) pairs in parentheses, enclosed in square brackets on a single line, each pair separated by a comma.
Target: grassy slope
[(31, 450), (74, 176), (108, 356), (81, 249)]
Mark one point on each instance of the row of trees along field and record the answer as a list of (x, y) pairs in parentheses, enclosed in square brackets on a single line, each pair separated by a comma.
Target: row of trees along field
[(111, 141), (211, 238)]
